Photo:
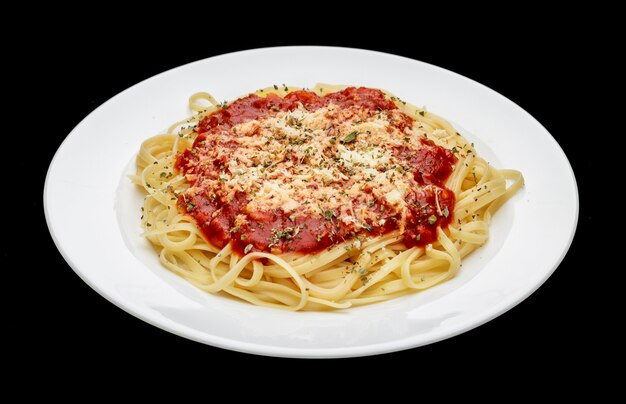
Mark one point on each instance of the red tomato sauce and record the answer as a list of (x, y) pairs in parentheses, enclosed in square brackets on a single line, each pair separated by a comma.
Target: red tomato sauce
[(430, 205)]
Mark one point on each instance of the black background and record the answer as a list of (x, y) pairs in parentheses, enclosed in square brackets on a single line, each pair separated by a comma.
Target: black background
[(52, 317)]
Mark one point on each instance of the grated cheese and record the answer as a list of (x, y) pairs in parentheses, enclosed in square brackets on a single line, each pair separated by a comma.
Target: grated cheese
[(304, 162)]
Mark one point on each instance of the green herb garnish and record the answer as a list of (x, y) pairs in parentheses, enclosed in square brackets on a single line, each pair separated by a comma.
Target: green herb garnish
[(350, 137)]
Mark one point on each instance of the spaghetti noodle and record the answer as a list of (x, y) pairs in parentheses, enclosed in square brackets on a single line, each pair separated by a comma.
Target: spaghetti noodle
[(313, 200)]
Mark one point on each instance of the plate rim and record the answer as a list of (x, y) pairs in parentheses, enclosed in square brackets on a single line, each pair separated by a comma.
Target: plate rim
[(185, 331)]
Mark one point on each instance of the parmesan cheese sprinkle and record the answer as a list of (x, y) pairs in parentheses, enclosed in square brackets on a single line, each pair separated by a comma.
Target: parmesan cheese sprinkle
[(307, 163)]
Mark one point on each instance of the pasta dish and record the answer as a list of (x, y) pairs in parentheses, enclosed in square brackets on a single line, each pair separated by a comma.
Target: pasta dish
[(316, 199)]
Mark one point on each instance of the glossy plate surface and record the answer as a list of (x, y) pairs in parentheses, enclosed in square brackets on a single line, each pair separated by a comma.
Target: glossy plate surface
[(93, 211)]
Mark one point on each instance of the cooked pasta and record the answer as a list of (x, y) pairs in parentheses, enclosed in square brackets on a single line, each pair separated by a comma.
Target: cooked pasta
[(316, 199)]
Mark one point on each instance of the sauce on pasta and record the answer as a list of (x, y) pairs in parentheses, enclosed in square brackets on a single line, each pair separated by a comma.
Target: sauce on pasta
[(304, 172)]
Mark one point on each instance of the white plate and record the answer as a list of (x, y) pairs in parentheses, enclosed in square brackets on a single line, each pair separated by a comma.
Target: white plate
[(93, 211)]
